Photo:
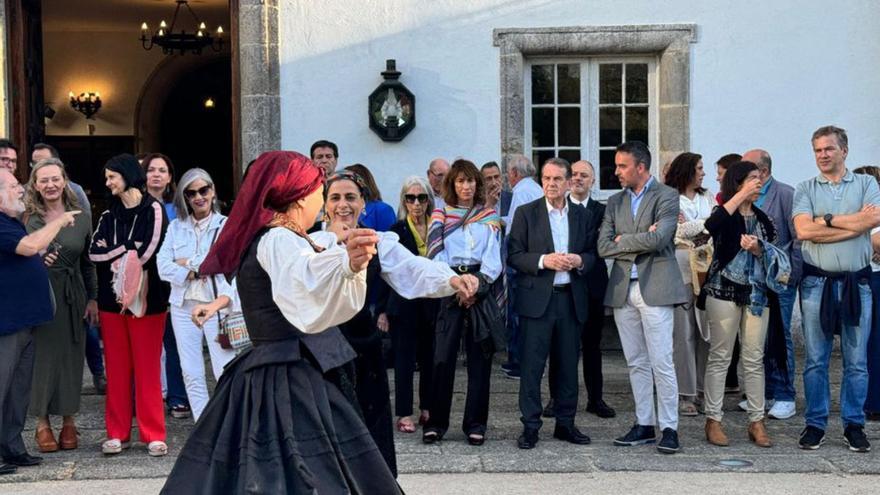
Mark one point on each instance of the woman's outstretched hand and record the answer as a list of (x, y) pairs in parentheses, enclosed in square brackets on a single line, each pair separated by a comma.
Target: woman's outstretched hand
[(361, 247)]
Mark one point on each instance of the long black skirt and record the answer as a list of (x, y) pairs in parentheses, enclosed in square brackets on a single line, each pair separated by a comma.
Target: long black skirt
[(278, 425)]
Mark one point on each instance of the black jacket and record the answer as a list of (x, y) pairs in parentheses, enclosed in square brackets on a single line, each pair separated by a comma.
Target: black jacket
[(121, 229), (395, 302), (530, 238), (597, 277)]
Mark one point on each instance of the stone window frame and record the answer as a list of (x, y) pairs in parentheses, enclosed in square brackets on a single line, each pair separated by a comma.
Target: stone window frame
[(670, 43)]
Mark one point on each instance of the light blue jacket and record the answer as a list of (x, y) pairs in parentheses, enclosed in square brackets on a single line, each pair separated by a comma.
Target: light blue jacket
[(180, 243), (773, 272)]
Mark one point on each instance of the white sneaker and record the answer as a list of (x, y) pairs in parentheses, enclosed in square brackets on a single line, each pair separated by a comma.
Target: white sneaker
[(782, 409), (744, 405)]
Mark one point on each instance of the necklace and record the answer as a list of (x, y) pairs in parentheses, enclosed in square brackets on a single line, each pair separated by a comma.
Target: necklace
[(282, 220)]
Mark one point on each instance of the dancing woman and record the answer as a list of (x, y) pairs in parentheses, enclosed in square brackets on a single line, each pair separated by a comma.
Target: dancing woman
[(280, 420)]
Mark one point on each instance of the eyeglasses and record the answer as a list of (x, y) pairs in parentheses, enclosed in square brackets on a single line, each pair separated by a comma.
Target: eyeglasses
[(411, 198), (202, 191), (7, 160)]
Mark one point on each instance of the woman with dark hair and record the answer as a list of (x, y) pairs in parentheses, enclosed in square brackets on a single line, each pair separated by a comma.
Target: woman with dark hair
[(872, 403), (686, 174), (394, 266), (59, 346), (411, 321), (736, 226), (282, 418), (467, 236), (160, 180), (377, 214), (159, 171), (123, 250)]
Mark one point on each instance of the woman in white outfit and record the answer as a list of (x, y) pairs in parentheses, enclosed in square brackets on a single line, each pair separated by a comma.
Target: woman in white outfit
[(690, 347), (187, 242)]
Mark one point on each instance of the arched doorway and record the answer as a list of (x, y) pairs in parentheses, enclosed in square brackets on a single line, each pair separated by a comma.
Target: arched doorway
[(172, 117)]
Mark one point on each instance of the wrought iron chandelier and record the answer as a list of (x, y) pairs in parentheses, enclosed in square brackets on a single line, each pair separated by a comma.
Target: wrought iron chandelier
[(165, 37)]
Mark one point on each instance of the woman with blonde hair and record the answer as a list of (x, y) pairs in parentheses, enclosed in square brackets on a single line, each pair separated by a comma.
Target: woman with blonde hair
[(60, 344)]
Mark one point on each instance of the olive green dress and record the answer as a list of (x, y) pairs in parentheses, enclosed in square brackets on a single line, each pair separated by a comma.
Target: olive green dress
[(60, 344)]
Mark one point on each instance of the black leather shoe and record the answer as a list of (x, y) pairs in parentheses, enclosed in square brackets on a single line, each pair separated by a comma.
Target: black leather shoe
[(571, 435), (549, 410), (669, 442), (23, 460), (528, 439), (601, 409), (7, 469)]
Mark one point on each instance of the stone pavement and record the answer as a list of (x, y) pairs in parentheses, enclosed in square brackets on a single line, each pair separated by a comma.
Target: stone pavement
[(499, 454)]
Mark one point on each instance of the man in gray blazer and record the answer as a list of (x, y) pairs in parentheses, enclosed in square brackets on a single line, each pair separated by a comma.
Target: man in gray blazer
[(637, 233)]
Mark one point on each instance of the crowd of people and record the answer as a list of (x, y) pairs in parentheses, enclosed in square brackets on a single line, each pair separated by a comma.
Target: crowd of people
[(701, 286)]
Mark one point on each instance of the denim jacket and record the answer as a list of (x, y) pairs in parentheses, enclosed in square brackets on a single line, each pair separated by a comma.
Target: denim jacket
[(773, 272), (180, 242)]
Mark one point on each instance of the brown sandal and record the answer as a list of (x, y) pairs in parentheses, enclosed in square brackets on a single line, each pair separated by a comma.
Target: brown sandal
[(46, 440), (406, 425), (68, 437)]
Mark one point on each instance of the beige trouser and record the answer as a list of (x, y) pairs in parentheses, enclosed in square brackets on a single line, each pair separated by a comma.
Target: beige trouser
[(726, 319)]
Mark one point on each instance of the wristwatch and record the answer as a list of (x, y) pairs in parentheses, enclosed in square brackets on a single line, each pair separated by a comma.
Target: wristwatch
[(828, 217)]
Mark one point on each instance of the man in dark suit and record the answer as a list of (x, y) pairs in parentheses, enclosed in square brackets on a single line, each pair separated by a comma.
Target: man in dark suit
[(552, 251), (582, 178), (496, 196)]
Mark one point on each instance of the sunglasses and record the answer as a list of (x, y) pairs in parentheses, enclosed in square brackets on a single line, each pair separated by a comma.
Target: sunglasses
[(202, 191), (411, 198)]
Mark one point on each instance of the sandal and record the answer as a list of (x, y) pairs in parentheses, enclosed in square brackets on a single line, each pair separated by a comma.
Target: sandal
[(687, 408), (430, 437), (476, 439), (157, 448), (114, 446), (405, 425)]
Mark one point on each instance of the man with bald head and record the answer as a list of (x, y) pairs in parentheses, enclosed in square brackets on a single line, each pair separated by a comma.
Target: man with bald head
[(776, 201), (437, 170), (583, 176), (26, 301)]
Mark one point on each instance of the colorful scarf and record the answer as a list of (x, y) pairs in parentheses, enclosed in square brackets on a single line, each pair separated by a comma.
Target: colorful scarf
[(446, 220)]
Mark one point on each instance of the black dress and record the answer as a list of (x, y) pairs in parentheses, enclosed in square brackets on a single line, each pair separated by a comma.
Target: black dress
[(282, 418), (369, 370)]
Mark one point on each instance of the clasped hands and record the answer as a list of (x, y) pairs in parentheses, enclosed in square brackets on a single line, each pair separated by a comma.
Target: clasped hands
[(562, 262), (466, 287), (751, 244)]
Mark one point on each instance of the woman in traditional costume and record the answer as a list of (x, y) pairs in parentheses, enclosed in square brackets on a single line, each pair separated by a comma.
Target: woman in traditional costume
[(282, 418)]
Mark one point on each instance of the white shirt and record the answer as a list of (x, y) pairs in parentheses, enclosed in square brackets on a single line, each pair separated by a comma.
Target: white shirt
[(314, 291), (409, 275), (474, 244), (559, 231), (695, 212), (525, 191), (575, 200), (438, 202)]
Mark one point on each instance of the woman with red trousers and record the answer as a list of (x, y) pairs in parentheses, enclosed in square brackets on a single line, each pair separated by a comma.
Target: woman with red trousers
[(132, 336)]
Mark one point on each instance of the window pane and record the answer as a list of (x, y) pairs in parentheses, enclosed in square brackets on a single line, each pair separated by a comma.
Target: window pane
[(610, 83), (637, 83), (569, 126), (607, 179), (637, 124), (570, 155), (610, 126), (569, 77), (542, 84), (539, 157), (542, 127)]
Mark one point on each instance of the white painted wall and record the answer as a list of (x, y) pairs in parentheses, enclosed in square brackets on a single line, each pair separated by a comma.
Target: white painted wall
[(764, 74)]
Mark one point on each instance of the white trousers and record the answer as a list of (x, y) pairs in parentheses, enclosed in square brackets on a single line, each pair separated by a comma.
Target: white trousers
[(646, 337), (192, 362)]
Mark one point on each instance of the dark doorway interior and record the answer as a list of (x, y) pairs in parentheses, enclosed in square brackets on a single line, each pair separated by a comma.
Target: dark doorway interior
[(195, 135)]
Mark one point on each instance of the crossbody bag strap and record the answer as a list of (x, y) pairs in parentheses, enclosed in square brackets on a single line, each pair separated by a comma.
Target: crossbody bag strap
[(214, 282)]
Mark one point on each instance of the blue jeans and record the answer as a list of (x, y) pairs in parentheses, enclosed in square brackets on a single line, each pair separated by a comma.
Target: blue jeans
[(776, 386), (173, 374), (94, 356), (872, 403), (853, 346)]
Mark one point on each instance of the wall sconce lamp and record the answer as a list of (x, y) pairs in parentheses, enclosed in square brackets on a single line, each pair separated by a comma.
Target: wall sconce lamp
[(209, 103), (87, 103), (391, 106)]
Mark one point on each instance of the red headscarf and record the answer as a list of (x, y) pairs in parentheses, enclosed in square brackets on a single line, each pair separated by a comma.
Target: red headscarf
[(274, 181)]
